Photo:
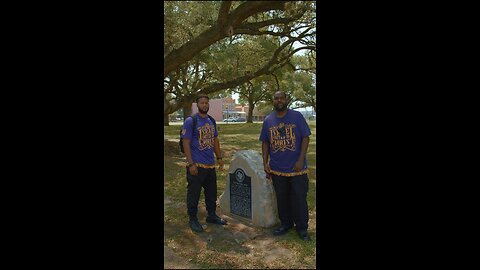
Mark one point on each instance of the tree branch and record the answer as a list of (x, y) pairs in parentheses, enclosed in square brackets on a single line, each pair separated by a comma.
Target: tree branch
[(258, 25), (266, 69), (187, 51), (263, 95), (250, 8), (286, 43), (223, 12), (215, 33), (254, 28), (259, 33), (313, 48), (273, 64), (276, 80)]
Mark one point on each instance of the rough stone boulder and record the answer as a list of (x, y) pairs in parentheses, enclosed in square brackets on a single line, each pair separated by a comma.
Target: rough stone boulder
[(263, 200)]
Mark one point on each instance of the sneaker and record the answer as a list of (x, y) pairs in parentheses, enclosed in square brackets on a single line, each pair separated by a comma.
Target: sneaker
[(195, 225), (282, 230), (304, 235), (216, 220)]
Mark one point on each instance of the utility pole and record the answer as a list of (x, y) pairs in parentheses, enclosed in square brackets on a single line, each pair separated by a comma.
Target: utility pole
[(226, 107)]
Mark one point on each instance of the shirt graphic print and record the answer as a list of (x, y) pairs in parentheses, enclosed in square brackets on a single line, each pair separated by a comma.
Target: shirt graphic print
[(205, 136), (201, 140), (282, 137)]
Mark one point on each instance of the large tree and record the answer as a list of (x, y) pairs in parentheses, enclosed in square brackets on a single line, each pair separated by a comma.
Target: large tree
[(259, 45), (180, 87), (235, 21)]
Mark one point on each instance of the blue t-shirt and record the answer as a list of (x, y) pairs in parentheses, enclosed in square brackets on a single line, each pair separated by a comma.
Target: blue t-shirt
[(202, 141), (285, 137)]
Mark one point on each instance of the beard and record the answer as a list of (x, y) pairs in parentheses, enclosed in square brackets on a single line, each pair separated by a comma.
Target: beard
[(203, 111), (280, 107)]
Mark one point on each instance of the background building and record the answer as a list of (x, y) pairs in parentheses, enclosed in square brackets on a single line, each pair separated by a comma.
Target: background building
[(217, 108), (224, 108), (257, 115), (308, 113)]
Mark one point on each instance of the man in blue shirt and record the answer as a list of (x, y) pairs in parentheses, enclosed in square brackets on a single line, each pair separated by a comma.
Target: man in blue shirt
[(285, 137), (199, 145)]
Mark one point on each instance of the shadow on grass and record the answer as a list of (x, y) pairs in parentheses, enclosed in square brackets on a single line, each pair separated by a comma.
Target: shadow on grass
[(220, 247)]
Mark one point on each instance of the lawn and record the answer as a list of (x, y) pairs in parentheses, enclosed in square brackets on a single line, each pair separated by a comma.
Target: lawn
[(225, 253)]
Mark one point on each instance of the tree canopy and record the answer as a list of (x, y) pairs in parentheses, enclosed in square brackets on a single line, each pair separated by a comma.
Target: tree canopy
[(213, 46)]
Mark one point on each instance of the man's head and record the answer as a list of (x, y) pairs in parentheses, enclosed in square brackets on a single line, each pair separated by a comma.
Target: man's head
[(202, 103), (280, 101)]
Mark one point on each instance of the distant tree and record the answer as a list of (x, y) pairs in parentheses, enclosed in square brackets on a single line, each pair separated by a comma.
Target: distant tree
[(251, 94)]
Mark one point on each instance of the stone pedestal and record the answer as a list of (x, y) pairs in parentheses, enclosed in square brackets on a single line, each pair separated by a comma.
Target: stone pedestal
[(249, 196)]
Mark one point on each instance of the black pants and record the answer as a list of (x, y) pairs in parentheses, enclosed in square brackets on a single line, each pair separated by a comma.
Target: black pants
[(206, 178), (292, 205)]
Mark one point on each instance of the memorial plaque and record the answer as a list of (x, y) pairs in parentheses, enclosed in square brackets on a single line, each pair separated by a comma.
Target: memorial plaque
[(249, 196), (240, 194)]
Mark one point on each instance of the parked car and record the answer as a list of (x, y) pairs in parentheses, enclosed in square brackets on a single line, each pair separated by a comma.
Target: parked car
[(231, 119), (240, 119)]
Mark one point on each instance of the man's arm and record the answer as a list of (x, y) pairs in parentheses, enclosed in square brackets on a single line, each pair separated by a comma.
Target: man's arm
[(265, 154), (303, 152), (216, 149), (187, 150), (265, 151), (188, 154)]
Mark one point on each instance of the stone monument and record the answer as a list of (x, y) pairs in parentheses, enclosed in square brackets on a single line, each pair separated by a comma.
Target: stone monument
[(249, 196)]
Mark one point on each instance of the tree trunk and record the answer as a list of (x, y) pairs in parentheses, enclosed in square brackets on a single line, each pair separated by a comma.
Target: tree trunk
[(167, 110), (187, 51), (187, 109), (165, 120), (313, 104), (251, 106)]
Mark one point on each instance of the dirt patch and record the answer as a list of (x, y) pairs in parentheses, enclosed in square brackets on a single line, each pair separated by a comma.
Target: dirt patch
[(174, 261), (273, 255), (228, 246)]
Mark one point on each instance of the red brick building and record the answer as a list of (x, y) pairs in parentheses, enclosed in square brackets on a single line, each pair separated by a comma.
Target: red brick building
[(224, 108)]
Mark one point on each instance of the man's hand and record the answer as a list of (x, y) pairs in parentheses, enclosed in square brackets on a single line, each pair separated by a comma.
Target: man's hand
[(267, 169), (193, 170), (298, 166), (220, 163)]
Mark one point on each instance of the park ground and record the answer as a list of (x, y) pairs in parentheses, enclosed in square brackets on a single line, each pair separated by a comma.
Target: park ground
[(236, 245)]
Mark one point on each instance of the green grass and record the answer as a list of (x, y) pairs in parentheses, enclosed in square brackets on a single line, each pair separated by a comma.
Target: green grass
[(232, 138)]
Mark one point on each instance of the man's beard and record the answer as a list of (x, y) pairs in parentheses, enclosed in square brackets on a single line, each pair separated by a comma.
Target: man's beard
[(280, 109), (203, 111)]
